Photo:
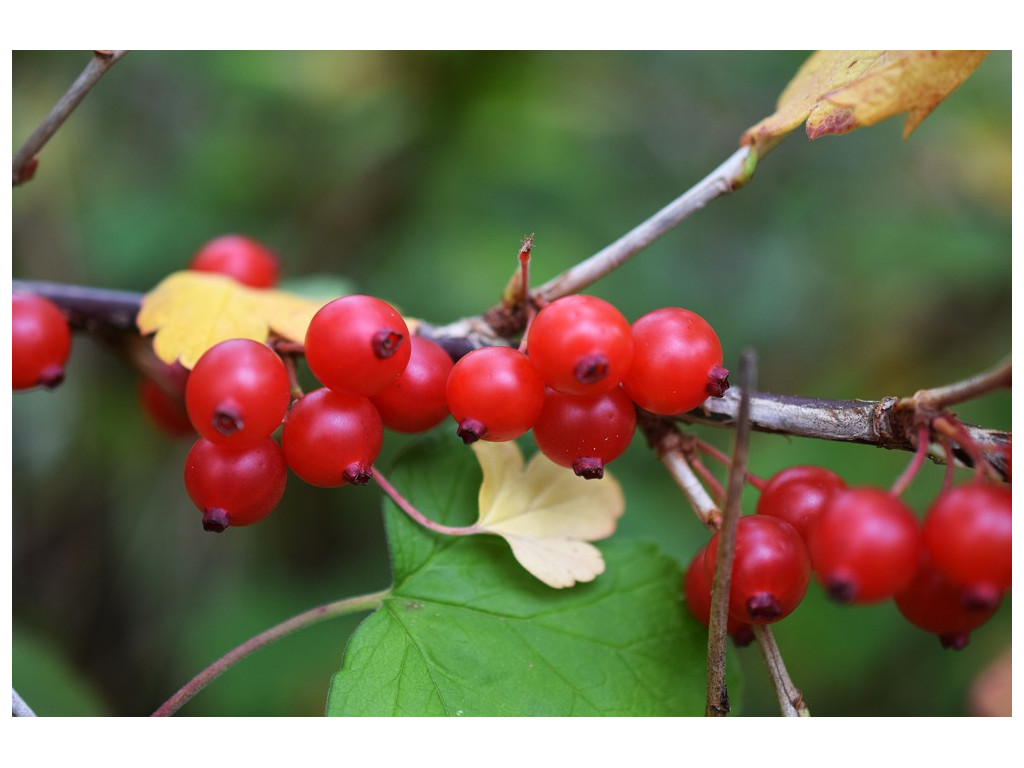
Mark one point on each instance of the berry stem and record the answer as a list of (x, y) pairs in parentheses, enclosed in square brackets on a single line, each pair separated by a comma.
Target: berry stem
[(369, 602), (951, 427), (406, 506), (294, 387), (709, 479), (718, 455), (904, 480)]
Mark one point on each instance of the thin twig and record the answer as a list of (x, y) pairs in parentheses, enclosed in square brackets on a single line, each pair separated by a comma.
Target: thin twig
[(730, 175), (671, 447), (887, 423), (18, 706), (790, 699), (368, 602), (25, 158), (998, 377), (717, 692)]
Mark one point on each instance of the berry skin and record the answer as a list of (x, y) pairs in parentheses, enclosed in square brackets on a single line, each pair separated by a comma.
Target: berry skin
[(237, 392), (968, 531), (357, 344), (494, 394), (235, 486), (798, 494), (697, 590), (770, 570), (415, 401), (581, 345), (935, 604), (585, 433), (246, 260), (677, 362), (864, 547), (40, 342), (332, 438)]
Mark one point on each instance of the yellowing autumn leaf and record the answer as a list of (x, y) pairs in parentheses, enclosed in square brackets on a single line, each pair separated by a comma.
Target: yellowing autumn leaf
[(546, 513), (191, 311), (839, 91)]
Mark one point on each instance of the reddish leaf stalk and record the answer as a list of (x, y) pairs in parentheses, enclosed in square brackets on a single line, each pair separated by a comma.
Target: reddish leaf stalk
[(403, 504), (368, 602)]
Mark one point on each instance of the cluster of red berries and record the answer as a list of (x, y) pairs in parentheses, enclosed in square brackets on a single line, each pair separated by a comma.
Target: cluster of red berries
[(575, 389), (584, 371), (576, 382), (864, 545)]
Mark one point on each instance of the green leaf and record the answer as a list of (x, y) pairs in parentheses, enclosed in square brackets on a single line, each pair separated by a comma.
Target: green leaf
[(467, 632)]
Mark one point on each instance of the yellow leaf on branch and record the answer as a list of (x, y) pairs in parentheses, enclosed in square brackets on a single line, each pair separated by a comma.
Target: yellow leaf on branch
[(191, 311), (838, 91), (546, 513)]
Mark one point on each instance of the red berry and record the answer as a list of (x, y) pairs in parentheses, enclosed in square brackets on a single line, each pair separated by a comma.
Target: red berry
[(235, 486), (677, 362), (697, 590), (40, 342), (495, 394), (798, 494), (968, 533), (585, 433), (357, 344), (770, 570), (415, 401), (332, 438), (937, 605), (238, 392), (246, 260), (864, 546), (581, 345)]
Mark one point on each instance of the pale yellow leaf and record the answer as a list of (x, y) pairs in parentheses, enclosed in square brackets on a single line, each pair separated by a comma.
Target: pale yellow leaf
[(546, 513), (191, 311), (838, 91)]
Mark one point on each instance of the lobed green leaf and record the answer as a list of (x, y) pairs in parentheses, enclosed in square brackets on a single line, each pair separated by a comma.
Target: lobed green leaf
[(467, 632)]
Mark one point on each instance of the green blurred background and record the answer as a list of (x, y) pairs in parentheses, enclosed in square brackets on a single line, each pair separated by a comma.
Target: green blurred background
[(857, 267)]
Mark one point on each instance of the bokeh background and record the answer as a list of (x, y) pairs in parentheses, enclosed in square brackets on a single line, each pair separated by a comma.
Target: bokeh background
[(857, 267)]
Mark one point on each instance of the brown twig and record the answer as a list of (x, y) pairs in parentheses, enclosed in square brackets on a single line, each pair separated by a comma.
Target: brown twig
[(730, 175), (887, 423), (25, 159), (998, 377), (717, 704), (791, 701), (674, 449)]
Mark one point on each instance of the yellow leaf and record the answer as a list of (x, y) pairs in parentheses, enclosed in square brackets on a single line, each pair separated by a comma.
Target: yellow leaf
[(839, 91), (191, 311), (546, 513)]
